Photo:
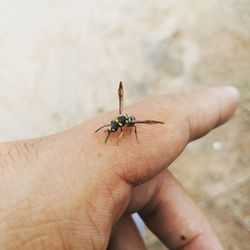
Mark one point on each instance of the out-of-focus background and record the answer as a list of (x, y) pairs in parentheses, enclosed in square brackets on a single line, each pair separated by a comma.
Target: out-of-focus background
[(61, 61)]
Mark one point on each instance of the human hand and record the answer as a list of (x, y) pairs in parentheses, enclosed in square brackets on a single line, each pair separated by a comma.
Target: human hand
[(72, 191)]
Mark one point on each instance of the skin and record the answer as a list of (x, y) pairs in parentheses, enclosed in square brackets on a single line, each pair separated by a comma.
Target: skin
[(72, 191)]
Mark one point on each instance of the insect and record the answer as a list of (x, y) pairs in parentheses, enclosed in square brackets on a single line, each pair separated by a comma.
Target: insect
[(123, 120)]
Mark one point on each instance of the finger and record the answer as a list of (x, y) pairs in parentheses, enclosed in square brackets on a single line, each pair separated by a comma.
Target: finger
[(172, 215), (104, 173), (185, 117), (125, 236), (209, 109)]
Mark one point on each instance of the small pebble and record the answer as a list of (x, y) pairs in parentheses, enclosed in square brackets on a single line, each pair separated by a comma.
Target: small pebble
[(217, 145)]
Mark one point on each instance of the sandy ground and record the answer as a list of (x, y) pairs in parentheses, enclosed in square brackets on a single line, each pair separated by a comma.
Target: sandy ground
[(60, 63)]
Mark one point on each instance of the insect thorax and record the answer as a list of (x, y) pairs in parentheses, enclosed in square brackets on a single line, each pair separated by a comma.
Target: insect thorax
[(122, 120)]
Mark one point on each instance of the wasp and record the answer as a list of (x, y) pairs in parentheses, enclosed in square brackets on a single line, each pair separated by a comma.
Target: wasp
[(123, 120)]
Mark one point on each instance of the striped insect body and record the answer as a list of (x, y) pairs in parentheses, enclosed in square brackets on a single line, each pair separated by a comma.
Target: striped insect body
[(124, 119)]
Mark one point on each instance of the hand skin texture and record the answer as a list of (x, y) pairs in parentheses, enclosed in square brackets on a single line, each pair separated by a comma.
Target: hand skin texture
[(72, 191)]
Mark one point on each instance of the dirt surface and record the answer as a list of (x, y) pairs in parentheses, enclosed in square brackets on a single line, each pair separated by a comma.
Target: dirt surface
[(61, 62)]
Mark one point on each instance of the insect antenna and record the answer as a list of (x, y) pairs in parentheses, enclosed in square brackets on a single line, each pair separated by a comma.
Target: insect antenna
[(104, 126)]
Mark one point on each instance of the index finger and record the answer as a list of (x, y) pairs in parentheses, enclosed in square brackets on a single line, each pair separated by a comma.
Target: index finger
[(186, 117)]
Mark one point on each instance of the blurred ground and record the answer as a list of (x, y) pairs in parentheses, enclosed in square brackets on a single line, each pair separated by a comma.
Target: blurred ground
[(61, 62)]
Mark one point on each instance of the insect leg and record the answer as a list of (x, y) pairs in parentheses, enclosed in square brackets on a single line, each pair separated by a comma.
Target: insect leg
[(131, 130), (104, 126), (107, 136), (135, 133), (120, 136)]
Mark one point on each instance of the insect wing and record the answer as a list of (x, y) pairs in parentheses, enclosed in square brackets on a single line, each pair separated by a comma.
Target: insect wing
[(147, 122), (121, 97)]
